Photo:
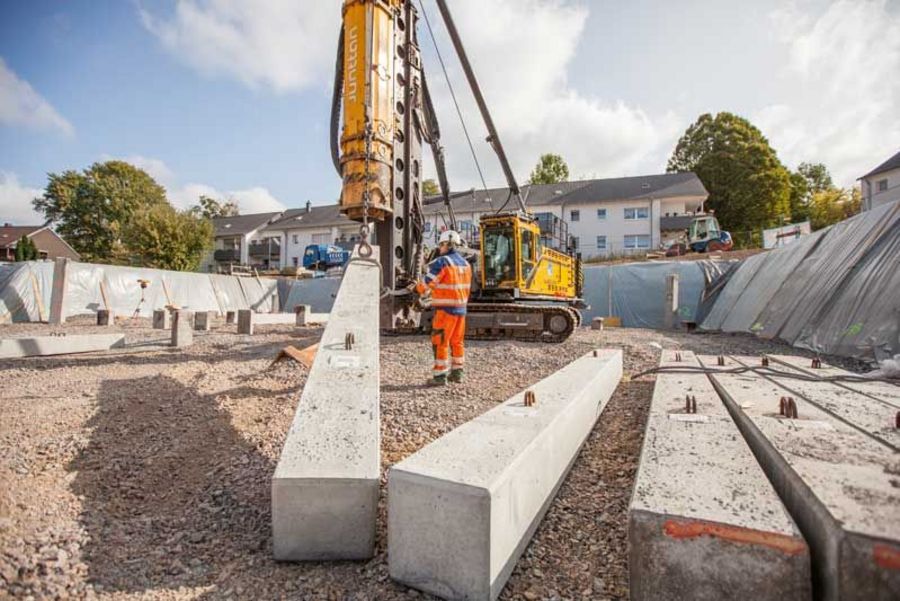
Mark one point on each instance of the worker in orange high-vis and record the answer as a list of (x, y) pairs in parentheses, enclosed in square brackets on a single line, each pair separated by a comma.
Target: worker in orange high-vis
[(449, 278)]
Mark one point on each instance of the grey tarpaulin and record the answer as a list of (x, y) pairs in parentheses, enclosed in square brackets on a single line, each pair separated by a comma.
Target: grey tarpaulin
[(25, 290), (732, 291), (635, 292), (318, 293), (835, 292), (775, 270)]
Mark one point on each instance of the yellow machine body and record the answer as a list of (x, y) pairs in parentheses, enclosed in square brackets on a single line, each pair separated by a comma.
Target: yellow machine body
[(368, 89), (514, 260)]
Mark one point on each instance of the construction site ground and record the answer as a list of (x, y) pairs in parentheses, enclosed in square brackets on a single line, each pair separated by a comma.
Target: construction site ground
[(145, 474)]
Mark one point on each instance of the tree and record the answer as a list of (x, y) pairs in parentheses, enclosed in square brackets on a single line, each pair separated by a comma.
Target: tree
[(162, 237), (430, 188), (748, 186), (832, 205), (93, 208), (550, 169), (210, 208), (809, 179), (26, 249)]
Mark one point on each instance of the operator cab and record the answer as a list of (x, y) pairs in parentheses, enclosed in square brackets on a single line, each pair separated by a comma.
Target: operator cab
[(509, 249)]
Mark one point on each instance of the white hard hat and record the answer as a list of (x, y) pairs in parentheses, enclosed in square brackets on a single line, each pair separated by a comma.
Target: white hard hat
[(450, 237)]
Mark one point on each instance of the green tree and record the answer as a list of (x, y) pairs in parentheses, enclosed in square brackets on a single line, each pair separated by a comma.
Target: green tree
[(430, 188), (210, 208), (550, 169), (748, 186), (93, 208), (26, 249), (809, 179), (832, 205), (162, 237)]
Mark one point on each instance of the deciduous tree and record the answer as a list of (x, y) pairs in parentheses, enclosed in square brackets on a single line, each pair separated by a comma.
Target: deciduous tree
[(26, 249), (93, 208), (748, 186), (165, 238), (550, 169), (210, 208), (829, 206)]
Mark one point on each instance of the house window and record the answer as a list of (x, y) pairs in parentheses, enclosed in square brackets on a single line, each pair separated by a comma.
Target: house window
[(634, 213), (601, 213), (296, 262), (296, 239), (640, 241), (601, 242), (427, 227), (321, 238), (575, 243), (574, 215), (882, 185)]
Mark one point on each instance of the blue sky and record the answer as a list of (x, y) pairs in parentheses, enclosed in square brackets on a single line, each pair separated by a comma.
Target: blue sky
[(231, 97)]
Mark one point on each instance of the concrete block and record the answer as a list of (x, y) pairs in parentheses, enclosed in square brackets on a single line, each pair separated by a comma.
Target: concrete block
[(203, 321), (838, 483), (871, 416), (182, 328), (59, 345), (704, 522), (105, 317), (880, 391), (161, 319), (597, 323), (325, 487), (301, 311), (245, 322), (230, 317), (462, 510), (58, 291)]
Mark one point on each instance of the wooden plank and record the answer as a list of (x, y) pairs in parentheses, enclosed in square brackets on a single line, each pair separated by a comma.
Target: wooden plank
[(38, 299)]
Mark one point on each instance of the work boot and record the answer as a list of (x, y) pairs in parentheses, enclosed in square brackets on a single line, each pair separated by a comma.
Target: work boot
[(456, 376), (440, 380)]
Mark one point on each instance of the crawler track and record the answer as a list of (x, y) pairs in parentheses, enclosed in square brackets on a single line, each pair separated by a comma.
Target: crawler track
[(572, 320)]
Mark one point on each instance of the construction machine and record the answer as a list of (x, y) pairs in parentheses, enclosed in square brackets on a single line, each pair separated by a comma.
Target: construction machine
[(382, 115)]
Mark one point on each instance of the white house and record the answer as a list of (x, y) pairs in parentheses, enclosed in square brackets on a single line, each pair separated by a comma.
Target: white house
[(606, 217), (882, 184), (296, 229), (237, 241)]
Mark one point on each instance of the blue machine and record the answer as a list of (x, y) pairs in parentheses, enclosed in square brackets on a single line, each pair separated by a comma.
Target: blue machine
[(324, 256)]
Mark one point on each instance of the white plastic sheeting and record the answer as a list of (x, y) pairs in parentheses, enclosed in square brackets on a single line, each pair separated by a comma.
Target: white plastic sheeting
[(25, 291), (835, 292)]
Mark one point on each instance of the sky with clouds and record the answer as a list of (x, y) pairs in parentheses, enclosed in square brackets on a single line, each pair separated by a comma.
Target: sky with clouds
[(231, 98)]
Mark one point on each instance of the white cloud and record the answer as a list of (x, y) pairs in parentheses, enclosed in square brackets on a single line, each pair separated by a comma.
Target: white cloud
[(184, 196), (250, 200), (15, 201), (20, 104), (841, 92), (521, 55), (282, 44)]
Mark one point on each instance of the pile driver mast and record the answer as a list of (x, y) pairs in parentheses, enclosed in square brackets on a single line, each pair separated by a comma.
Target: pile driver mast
[(382, 115)]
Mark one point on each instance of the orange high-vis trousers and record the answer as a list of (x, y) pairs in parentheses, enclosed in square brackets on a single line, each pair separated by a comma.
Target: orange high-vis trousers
[(447, 334)]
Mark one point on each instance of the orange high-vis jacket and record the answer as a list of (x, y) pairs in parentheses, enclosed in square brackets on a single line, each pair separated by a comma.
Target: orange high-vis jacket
[(449, 277)]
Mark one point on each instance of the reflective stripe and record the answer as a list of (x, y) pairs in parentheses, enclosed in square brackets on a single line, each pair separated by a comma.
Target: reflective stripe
[(453, 286), (448, 302), (458, 362), (441, 362)]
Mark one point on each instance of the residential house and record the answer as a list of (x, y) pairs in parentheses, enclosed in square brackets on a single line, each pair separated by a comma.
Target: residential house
[(615, 216), (881, 185), (605, 216), (298, 228), (238, 240), (49, 244)]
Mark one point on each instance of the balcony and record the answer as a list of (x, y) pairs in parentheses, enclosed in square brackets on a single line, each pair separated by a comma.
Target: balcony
[(230, 255)]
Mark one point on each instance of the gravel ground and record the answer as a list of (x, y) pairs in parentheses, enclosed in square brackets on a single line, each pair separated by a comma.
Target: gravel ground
[(145, 474)]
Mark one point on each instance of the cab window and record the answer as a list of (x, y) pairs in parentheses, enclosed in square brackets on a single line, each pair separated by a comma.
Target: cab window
[(527, 251), (499, 255)]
